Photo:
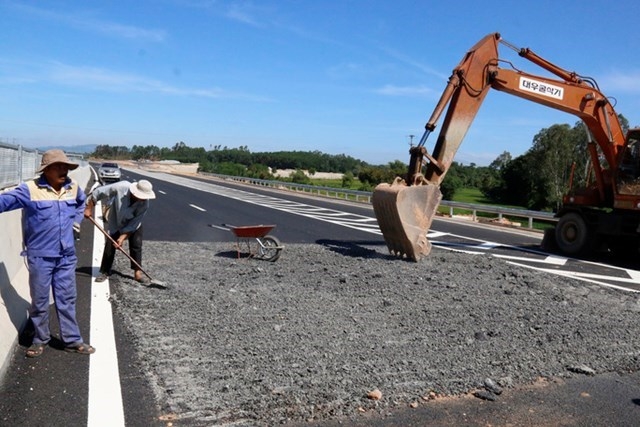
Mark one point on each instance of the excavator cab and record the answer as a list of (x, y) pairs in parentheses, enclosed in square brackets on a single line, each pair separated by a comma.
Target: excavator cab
[(628, 179)]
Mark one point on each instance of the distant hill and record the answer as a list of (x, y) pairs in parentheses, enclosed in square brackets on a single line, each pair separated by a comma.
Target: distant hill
[(81, 149)]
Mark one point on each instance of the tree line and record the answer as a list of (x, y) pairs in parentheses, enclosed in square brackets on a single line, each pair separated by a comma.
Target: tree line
[(534, 180)]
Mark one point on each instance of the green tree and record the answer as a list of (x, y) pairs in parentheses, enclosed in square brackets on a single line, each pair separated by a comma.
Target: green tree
[(501, 161), (299, 177), (260, 171), (228, 168), (347, 179), (452, 181), (553, 152)]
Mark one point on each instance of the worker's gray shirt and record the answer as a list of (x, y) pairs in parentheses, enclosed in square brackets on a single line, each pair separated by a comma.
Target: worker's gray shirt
[(124, 215)]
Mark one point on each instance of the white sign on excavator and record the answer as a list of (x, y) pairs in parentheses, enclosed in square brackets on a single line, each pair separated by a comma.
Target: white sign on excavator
[(541, 88)]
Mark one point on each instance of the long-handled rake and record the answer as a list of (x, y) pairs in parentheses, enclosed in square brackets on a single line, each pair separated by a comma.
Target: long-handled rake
[(153, 282)]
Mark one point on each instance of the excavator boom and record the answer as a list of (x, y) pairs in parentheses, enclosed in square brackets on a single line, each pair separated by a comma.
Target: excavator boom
[(405, 208)]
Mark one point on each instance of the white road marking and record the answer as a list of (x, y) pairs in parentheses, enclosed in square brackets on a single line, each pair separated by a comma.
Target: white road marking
[(370, 225), (584, 277), (556, 260), (489, 245), (553, 260), (105, 395), (435, 234), (219, 227), (198, 208)]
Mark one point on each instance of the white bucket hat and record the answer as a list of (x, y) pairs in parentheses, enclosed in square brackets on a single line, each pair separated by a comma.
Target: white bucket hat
[(142, 190), (55, 156)]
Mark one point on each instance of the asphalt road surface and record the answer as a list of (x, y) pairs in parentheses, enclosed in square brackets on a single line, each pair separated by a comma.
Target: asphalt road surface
[(54, 389)]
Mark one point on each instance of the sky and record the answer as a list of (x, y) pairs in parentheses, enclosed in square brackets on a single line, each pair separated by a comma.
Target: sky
[(353, 77)]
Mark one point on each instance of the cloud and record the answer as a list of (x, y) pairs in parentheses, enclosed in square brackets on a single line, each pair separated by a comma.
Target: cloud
[(623, 82), (414, 64), (416, 91), (107, 80), (101, 79), (86, 22), (123, 31), (245, 13)]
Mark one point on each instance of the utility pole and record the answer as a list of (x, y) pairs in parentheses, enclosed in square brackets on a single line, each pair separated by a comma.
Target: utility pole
[(411, 140)]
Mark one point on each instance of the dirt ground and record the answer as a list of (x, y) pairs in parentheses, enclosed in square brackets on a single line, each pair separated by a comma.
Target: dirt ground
[(313, 337)]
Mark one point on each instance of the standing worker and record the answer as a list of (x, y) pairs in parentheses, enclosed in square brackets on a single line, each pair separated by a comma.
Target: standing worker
[(52, 206), (126, 204)]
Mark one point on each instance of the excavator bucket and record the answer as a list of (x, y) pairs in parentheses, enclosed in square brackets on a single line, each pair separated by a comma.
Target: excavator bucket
[(404, 214)]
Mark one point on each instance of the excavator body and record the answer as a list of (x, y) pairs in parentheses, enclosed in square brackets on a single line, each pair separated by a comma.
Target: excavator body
[(606, 209)]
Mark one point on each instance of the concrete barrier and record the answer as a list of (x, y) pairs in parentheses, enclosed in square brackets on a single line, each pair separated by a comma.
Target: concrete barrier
[(14, 276)]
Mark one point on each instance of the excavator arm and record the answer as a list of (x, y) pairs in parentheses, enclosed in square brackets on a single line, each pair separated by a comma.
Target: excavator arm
[(405, 208)]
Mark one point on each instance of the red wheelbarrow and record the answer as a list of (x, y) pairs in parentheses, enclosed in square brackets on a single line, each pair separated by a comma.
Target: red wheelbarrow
[(268, 248)]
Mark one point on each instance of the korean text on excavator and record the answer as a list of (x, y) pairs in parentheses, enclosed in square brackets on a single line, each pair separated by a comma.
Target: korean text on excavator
[(601, 213)]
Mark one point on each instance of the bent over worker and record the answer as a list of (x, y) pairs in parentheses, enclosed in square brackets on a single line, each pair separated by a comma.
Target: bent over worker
[(126, 204), (52, 205)]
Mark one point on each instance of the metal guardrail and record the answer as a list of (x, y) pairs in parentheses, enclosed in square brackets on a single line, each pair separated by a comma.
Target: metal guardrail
[(17, 163), (501, 212), (365, 197), (336, 193)]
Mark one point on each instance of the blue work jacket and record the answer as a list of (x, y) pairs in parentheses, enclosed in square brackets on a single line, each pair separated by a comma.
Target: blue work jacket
[(48, 216)]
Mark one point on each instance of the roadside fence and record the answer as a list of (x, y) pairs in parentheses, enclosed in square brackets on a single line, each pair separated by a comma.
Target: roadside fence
[(17, 163)]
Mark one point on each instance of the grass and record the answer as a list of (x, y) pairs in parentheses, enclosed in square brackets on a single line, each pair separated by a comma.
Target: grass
[(335, 183), (475, 196), (470, 195)]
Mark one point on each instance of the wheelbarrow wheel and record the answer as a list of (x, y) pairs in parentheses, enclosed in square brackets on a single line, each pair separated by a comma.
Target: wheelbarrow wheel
[(270, 249)]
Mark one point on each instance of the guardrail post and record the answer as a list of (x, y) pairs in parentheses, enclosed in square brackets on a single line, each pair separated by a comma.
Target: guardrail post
[(20, 153)]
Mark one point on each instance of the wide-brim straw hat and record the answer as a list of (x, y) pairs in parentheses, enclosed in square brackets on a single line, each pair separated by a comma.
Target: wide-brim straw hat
[(55, 156), (142, 190)]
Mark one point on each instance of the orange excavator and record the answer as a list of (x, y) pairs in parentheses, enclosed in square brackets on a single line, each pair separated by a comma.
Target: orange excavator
[(604, 212)]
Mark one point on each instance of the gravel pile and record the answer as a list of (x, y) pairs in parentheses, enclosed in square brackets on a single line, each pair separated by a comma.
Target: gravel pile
[(309, 337)]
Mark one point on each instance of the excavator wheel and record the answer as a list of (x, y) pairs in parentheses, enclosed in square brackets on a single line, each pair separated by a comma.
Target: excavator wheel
[(572, 234), (404, 214)]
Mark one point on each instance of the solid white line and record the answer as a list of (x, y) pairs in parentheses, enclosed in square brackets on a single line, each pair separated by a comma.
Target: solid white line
[(105, 395), (553, 260), (198, 207), (634, 274), (584, 277)]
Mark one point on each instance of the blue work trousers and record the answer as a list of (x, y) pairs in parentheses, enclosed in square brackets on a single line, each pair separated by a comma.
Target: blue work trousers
[(135, 251), (59, 275)]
